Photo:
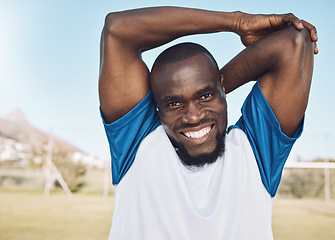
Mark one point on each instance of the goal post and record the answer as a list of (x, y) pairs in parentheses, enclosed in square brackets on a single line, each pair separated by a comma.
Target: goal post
[(297, 181)]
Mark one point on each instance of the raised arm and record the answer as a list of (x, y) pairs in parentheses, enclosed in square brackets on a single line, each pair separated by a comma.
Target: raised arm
[(124, 77), (284, 63)]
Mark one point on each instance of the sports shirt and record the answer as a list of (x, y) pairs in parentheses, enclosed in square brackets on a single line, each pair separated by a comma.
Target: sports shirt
[(157, 197)]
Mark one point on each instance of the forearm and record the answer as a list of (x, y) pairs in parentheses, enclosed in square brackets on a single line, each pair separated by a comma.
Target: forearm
[(247, 66), (265, 57), (144, 29)]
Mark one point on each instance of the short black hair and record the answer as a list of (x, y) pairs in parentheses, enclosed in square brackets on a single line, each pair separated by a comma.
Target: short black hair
[(179, 52)]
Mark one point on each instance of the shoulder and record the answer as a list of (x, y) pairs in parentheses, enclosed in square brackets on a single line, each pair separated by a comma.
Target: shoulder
[(126, 134)]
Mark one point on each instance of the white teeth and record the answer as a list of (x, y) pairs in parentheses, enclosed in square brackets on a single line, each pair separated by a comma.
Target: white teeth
[(198, 134)]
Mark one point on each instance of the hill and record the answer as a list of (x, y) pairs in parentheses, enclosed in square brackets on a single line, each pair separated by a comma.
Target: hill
[(24, 144)]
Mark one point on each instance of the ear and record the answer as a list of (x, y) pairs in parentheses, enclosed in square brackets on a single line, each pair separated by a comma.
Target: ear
[(222, 84)]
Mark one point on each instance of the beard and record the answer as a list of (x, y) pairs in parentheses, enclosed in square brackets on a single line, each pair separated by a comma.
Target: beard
[(205, 158)]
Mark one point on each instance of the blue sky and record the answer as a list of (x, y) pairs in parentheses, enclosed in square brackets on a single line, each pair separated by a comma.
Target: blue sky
[(49, 61)]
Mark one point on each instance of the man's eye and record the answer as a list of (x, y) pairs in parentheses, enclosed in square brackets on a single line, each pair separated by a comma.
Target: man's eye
[(206, 96), (174, 104)]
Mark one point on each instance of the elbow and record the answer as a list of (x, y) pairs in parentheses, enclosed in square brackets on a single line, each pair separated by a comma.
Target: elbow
[(112, 25), (301, 40), (296, 46)]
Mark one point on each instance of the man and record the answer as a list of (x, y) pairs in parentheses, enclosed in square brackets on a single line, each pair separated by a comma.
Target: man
[(178, 173)]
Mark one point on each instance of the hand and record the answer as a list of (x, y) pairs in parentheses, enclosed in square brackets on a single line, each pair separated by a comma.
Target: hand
[(251, 28)]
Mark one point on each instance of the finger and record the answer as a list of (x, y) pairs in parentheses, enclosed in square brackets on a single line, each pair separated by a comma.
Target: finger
[(311, 29), (316, 50), (291, 18)]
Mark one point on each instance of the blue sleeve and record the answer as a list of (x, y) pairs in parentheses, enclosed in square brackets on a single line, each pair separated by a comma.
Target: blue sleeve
[(125, 135), (270, 145)]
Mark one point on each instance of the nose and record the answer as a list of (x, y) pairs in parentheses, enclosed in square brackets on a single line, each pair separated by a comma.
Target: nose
[(193, 113)]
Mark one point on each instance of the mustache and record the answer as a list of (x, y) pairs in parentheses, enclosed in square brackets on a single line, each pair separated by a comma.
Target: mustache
[(190, 125)]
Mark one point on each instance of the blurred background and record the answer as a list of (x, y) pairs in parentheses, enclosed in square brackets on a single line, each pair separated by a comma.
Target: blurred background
[(54, 156)]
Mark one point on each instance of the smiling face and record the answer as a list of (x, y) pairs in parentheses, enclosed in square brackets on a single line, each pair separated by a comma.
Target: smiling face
[(192, 106)]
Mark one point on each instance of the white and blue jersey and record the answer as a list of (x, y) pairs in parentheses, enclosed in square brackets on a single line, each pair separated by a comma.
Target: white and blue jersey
[(157, 197)]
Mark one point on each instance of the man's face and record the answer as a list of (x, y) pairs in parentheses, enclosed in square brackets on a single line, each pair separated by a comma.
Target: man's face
[(192, 104)]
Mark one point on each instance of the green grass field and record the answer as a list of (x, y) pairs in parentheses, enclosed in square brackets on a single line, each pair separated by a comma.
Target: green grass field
[(303, 219), (33, 216), (25, 213)]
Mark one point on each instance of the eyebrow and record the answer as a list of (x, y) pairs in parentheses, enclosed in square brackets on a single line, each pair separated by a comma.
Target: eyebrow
[(208, 88), (172, 98)]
